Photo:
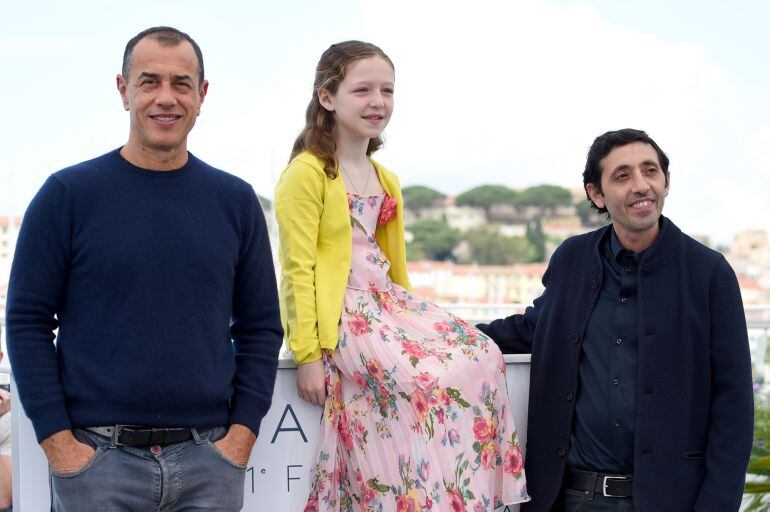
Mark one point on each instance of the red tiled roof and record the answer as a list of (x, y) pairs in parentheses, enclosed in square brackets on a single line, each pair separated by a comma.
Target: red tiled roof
[(746, 283), (5, 221), (453, 268)]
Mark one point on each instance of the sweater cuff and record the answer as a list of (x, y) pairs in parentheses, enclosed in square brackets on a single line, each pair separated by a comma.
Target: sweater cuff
[(49, 420), (248, 415)]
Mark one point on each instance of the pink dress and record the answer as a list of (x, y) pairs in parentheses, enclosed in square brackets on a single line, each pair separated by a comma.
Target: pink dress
[(417, 415)]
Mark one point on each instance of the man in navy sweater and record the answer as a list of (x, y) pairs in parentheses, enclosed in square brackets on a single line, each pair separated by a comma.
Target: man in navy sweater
[(156, 269), (640, 388)]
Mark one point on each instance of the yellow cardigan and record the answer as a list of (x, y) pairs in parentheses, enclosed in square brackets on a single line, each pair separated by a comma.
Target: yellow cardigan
[(315, 245)]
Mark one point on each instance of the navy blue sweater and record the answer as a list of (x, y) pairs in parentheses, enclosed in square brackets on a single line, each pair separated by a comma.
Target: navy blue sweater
[(694, 401), (163, 290)]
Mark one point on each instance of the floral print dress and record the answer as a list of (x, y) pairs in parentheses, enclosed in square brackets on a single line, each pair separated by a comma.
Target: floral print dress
[(417, 415)]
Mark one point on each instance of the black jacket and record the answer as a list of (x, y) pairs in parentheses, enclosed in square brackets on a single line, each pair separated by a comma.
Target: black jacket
[(694, 413)]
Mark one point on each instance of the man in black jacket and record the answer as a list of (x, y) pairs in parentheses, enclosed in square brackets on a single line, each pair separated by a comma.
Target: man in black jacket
[(641, 394)]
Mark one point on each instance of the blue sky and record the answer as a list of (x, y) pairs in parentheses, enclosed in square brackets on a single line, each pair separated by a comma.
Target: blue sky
[(509, 92)]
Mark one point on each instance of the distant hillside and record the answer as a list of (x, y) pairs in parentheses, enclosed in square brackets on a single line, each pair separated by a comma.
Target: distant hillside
[(494, 224)]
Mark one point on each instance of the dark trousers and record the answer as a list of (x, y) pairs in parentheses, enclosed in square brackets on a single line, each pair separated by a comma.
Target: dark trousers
[(578, 501)]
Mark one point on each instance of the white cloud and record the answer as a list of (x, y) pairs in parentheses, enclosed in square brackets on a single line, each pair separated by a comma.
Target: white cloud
[(515, 92), (506, 92), (38, 46), (759, 149), (251, 134)]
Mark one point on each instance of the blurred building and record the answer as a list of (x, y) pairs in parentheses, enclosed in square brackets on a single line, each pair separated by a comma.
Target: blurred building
[(749, 255), (461, 218), (9, 231), (442, 281)]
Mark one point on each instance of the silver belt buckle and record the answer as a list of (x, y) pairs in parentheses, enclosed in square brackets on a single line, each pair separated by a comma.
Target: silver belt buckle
[(117, 431), (604, 486)]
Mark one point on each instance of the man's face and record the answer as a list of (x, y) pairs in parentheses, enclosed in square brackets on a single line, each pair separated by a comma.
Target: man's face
[(162, 94), (634, 188)]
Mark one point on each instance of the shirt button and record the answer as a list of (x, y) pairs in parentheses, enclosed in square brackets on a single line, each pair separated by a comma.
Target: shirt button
[(155, 449), (569, 396), (616, 381), (623, 300), (619, 341), (628, 270), (561, 452), (616, 423), (622, 462), (574, 338)]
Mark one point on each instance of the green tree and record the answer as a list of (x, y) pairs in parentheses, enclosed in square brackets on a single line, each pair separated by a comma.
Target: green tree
[(265, 202), (433, 239), (485, 196), (589, 216), (417, 197), (536, 238), (489, 247), (544, 196)]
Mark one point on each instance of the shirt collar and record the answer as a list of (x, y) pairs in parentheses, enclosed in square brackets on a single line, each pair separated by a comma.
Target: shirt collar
[(618, 250)]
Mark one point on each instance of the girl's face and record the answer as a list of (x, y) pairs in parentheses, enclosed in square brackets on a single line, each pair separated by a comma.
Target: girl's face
[(364, 100)]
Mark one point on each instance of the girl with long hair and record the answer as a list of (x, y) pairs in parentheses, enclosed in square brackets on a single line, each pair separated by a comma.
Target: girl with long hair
[(416, 414)]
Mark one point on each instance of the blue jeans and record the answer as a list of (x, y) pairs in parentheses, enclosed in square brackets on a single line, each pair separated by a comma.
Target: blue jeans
[(188, 476), (577, 501)]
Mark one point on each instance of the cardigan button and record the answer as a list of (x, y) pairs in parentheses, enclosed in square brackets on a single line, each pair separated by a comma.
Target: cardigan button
[(561, 452), (574, 338), (569, 396), (594, 284)]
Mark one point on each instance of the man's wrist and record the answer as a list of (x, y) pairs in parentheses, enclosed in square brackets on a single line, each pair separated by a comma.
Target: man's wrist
[(56, 441), (241, 434)]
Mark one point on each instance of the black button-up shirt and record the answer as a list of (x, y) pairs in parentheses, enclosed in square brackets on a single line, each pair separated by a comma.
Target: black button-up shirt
[(603, 431)]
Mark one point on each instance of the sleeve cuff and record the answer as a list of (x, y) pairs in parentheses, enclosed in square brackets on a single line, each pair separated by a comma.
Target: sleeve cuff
[(54, 419), (306, 352)]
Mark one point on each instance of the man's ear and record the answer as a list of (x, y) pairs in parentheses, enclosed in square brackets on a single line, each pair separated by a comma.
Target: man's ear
[(120, 81), (204, 89), (326, 99), (595, 194)]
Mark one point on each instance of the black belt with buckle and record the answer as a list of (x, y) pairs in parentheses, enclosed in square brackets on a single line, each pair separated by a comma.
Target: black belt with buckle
[(132, 435), (611, 486)]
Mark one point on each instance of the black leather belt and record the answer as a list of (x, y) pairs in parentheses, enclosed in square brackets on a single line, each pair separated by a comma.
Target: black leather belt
[(132, 435), (612, 486)]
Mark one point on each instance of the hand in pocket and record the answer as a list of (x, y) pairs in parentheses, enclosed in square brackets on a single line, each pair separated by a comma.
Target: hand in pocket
[(65, 453)]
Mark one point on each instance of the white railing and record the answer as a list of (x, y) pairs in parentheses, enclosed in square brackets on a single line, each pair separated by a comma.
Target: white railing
[(278, 472), (757, 315), (757, 321), (279, 469)]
